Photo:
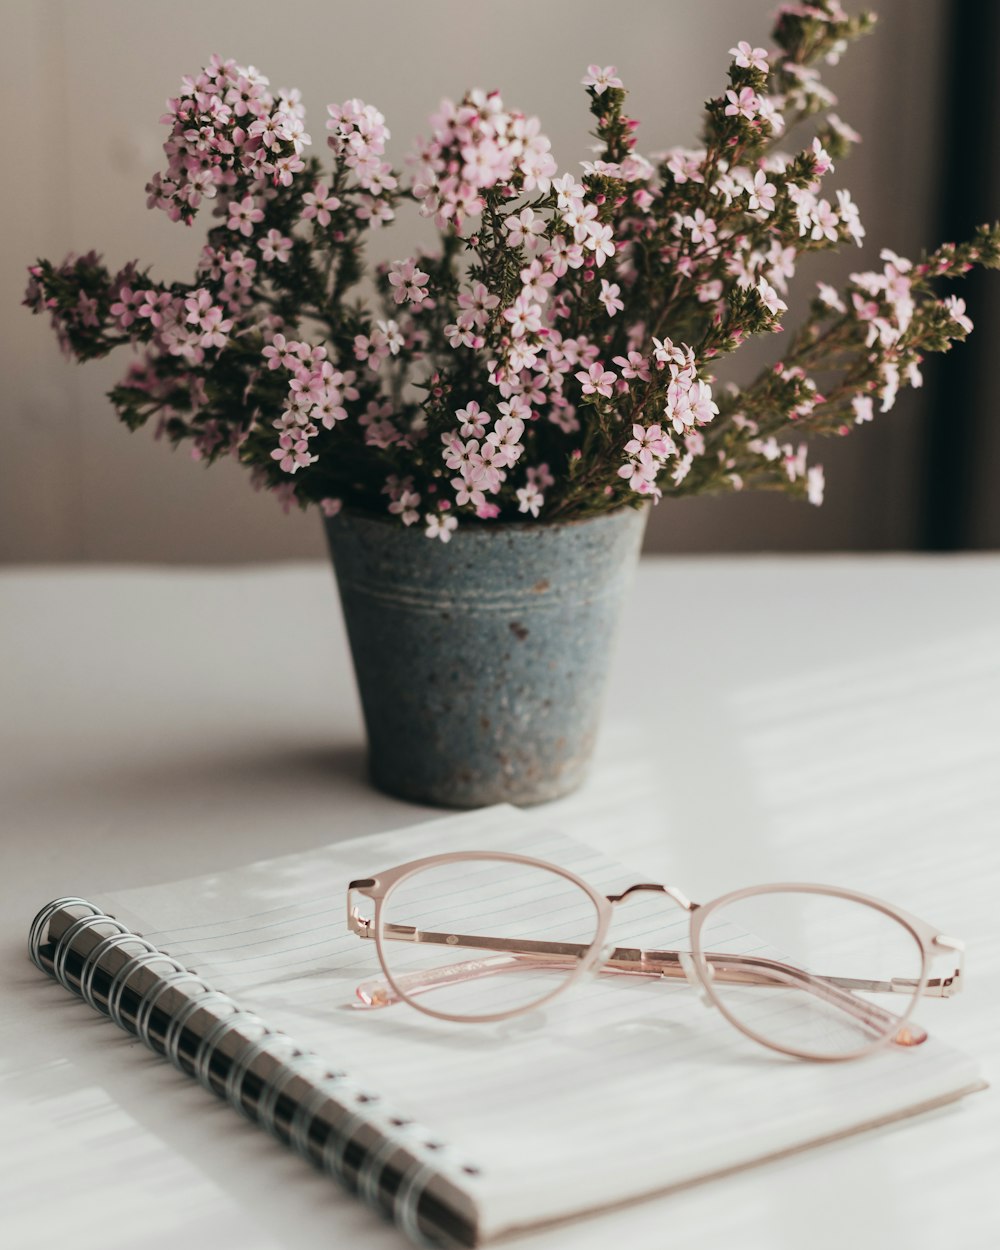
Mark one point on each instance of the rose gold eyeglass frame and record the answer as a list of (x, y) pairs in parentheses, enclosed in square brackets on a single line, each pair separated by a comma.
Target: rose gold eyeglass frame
[(701, 969)]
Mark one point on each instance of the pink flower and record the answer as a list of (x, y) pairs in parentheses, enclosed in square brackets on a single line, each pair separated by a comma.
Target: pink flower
[(821, 159), (824, 222), (529, 499), (407, 280), (652, 439), (504, 442), (215, 329), (473, 420), (600, 79), (275, 246), (286, 167), (702, 227), (292, 453), (456, 454), (461, 334), (597, 381), (524, 317), (126, 307), (563, 255), (197, 305), (467, 491), (609, 297), (685, 166), (328, 409), (864, 310), (375, 210), (405, 506), (579, 216), (634, 365), (641, 473), (330, 507), (319, 203), (86, 309), (749, 58), (523, 230), (745, 104), (244, 215), (277, 352), (154, 305), (537, 280), (479, 304)]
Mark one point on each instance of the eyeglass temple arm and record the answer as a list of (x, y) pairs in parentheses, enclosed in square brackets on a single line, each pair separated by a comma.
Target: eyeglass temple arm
[(380, 993), (745, 969), (659, 963)]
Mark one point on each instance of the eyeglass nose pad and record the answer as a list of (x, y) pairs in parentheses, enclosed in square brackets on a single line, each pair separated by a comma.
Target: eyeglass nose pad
[(604, 953), (690, 970)]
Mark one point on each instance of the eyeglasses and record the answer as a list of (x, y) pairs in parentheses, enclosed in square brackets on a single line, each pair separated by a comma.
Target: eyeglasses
[(802, 969)]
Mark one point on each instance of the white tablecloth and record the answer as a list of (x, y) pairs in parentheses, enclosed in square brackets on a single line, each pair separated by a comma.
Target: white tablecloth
[(829, 719)]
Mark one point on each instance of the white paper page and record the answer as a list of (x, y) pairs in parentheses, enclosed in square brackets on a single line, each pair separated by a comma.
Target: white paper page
[(621, 1087)]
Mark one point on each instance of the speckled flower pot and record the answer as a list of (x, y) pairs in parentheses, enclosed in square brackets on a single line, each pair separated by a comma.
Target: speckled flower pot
[(482, 662)]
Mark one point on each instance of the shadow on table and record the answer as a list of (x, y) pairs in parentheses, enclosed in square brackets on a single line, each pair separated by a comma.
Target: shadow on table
[(144, 817), (258, 769)]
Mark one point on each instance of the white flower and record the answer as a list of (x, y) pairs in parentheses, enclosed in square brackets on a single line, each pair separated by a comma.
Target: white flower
[(851, 217), (955, 309), (681, 469), (600, 79), (831, 297), (440, 525), (609, 297), (815, 483), (770, 298), (862, 405), (761, 193)]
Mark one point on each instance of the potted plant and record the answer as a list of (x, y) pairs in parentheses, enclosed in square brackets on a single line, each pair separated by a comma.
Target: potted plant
[(484, 438)]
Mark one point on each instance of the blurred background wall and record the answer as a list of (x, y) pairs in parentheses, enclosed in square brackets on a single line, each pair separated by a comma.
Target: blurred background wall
[(83, 83)]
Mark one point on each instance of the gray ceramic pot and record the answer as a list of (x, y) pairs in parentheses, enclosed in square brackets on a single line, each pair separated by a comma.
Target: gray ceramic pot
[(481, 662)]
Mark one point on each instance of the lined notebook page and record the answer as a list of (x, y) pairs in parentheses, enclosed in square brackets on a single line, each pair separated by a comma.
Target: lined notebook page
[(621, 1087)]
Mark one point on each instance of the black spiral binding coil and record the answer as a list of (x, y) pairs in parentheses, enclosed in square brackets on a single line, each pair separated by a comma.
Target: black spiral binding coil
[(384, 1160)]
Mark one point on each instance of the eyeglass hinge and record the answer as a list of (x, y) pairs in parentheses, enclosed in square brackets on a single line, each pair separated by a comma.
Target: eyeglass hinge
[(361, 925)]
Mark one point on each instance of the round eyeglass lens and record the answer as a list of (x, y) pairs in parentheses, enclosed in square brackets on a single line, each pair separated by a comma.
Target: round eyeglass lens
[(484, 938), (815, 975)]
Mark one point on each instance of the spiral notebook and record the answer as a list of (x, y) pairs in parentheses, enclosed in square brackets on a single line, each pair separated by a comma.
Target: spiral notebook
[(460, 1133)]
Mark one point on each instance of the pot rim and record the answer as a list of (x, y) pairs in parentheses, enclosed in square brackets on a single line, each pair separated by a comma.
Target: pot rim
[(475, 525)]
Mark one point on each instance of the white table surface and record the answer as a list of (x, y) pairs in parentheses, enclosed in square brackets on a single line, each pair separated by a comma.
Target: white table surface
[(830, 719)]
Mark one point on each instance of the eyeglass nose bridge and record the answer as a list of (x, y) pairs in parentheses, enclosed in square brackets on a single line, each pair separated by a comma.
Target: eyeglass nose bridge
[(685, 960), (655, 887)]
